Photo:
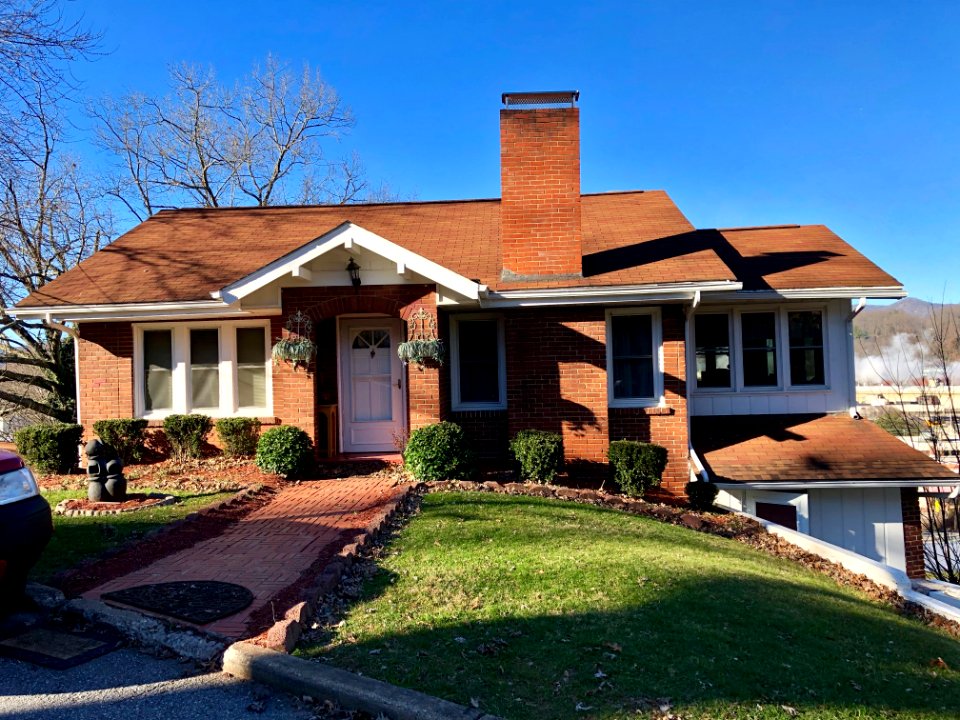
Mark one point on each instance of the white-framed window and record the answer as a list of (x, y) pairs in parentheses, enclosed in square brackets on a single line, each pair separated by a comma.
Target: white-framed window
[(215, 368), (478, 362), (760, 349), (634, 362)]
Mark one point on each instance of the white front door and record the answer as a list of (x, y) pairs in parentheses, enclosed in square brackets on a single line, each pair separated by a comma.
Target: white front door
[(372, 412)]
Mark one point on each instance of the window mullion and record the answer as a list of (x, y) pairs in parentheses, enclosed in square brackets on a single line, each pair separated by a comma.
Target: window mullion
[(181, 369)]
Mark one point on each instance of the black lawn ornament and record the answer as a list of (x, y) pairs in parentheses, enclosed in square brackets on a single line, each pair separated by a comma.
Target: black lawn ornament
[(104, 473)]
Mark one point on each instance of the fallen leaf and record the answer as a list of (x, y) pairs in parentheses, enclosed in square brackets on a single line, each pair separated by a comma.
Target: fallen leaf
[(474, 703), (939, 663), (791, 711)]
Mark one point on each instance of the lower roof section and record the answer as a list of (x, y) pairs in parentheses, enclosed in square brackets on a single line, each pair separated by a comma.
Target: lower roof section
[(797, 451)]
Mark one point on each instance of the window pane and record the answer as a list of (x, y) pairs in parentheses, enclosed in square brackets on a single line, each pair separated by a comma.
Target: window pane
[(806, 348), (632, 335), (632, 356), (633, 378), (158, 370), (205, 368), (759, 332), (251, 367), (479, 360), (251, 346), (252, 386), (713, 350)]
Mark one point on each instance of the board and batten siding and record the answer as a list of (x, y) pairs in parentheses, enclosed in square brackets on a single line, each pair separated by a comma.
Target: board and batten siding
[(834, 397), (867, 521)]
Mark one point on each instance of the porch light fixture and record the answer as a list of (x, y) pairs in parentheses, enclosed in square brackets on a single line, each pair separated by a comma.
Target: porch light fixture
[(354, 270)]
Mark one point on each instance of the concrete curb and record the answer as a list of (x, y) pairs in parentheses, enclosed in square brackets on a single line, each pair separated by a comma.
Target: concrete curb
[(284, 634), (351, 691)]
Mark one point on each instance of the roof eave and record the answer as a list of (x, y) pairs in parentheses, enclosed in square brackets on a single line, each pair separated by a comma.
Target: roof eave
[(838, 484), (614, 294), (138, 311), (890, 292)]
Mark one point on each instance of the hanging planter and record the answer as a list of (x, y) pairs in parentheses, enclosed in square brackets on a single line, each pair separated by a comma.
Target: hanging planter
[(424, 346), (296, 347), (421, 352)]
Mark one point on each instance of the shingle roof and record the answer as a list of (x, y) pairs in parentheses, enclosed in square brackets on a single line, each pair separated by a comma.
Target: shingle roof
[(806, 448), (629, 238)]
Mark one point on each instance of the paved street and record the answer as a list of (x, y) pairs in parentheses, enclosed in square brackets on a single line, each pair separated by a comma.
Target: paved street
[(130, 685)]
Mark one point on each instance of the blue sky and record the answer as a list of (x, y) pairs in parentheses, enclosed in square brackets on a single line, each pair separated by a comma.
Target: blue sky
[(840, 113)]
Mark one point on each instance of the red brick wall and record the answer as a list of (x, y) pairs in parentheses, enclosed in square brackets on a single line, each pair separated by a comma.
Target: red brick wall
[(912, 532), (540, 187), (664, 426), (557, 381), (106, 372)]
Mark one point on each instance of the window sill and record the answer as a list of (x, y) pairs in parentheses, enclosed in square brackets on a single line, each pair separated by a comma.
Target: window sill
[(158, 422), (649, 410)]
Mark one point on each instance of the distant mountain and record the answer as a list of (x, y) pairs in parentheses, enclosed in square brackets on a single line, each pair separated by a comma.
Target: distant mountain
[(907, 306)]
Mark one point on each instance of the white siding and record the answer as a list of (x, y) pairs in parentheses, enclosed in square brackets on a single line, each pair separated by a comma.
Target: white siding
[(866, 521), (836, 397)]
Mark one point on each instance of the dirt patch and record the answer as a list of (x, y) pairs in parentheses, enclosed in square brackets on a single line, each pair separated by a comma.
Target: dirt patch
[(168, 540)]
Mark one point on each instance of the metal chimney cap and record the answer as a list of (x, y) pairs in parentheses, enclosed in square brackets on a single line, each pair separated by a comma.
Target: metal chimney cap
[(555, 98)]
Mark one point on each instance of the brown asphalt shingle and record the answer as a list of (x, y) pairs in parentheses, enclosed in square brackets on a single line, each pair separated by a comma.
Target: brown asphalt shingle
[(806, 448), (629, 238)]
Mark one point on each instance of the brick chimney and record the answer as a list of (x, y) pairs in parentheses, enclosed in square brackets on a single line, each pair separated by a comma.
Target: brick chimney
[(540, 185)]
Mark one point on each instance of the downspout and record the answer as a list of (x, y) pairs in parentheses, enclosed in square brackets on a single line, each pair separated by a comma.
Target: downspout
[(851, 359), (701, 472), (698, 465)]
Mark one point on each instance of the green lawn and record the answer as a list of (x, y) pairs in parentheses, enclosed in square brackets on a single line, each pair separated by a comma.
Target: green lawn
[(78, 537), (534, 607)]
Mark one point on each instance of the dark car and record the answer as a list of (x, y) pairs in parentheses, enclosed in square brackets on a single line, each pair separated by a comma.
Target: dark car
[(25, 527)]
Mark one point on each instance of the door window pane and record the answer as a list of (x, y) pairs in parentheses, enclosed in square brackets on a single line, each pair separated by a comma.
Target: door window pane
[(478, 354), (759, 337), (806, 348), (251, 367), (713, 350), (205, 368), (158, 370), (632, 356)]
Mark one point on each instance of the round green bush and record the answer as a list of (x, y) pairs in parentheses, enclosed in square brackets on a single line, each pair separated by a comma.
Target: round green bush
[(285, 451), (439, 452), (50, 447), (701, 495), (539, 453), (238, 435), (637, 466)]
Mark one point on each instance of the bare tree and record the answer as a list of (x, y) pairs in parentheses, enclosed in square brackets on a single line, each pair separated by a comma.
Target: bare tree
[(931, 421), (50, 220), (261, 142), (36, 44)]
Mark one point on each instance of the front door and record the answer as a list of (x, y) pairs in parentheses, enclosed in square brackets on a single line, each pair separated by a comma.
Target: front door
[(372, 412)]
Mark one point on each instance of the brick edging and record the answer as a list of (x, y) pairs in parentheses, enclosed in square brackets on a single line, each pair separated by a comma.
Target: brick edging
[(64, 577), (284, 634)]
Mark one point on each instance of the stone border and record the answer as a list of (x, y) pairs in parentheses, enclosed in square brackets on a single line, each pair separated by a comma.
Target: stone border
[(284, 634), (151, 501)]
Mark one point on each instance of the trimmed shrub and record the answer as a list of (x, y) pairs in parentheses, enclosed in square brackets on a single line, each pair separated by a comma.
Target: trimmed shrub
[(125, 435), (187, 434), (637, 466), (439, 452), (701, 495), (239, 435), (285, 451), (540, 454), (50, 447)]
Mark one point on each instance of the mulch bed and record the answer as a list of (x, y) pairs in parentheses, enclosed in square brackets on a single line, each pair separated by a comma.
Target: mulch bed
[(165, 541)]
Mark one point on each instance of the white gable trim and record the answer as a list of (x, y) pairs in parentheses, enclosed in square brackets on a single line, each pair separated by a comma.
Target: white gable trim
[(348, 236)]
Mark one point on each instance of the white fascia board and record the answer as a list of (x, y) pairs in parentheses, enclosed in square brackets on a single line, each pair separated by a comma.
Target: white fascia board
[(349, 236), (136, 311), (665, 292), (826, 293), (837, 484)]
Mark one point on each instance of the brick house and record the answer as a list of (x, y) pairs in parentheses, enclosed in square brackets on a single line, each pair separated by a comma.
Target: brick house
[(598, 316)]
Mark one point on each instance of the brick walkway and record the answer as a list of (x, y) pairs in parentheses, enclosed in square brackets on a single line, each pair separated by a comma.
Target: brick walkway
[(268, 550)]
